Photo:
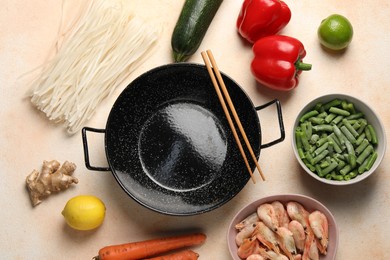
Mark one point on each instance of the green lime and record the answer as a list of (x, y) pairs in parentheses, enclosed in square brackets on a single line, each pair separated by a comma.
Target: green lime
[(335, 32)]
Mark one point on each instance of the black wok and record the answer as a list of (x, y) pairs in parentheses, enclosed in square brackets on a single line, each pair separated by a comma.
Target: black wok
[(169, 145)]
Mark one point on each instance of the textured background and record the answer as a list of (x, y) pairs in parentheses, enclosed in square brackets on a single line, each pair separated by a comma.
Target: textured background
[(28, 31)]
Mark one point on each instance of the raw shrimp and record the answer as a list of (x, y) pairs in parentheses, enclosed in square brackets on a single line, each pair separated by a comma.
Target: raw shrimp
[(319, 225), (246, 232), (298, 234), (255, 257), (267, 214), (249, 220), (311, 251), (248, 247), (286, 242), (297, 212), (281, 213), (266, 236), (298, 257), (276, 256)]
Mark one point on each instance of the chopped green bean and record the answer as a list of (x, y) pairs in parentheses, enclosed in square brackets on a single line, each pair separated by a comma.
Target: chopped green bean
[(337, 120), (321, 141), (362, 146), (321, 148), (308, 115), (339, 111), (350, 128), (371, 161), (367, 132), (316, 120), (369, 149), (330, 117), (355, 116), (332, 103), (325, 128), (321, 156), (339, 134), (348, 134), (360, 139), (314, 138), (374, 137), (333, 165)]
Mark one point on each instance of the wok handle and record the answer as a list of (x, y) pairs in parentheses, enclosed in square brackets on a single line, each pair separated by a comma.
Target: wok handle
[(280, 119), (86, 153)]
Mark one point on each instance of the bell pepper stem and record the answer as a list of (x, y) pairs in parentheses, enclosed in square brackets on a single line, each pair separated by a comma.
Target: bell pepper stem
[(299, 65)]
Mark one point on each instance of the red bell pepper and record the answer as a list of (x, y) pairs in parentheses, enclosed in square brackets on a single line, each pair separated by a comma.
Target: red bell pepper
[(278, 62), (259, 18)]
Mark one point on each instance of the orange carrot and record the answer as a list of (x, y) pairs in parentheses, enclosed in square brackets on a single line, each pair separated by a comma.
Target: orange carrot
[(148, 248), (180, 255)]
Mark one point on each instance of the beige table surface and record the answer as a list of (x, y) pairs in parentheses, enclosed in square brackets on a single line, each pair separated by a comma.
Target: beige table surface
[(28, 30)]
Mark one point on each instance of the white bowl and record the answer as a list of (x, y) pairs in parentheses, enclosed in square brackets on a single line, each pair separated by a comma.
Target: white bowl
[(370, 115), (308, 203)]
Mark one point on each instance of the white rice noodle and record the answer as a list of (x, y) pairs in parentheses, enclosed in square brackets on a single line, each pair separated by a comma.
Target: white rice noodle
[(99, 53)]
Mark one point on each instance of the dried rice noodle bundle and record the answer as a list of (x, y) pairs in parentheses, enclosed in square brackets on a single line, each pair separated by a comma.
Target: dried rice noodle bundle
[(97, 56)]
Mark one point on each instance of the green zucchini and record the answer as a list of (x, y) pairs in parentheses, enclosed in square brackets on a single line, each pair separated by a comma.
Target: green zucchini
[(194, 20)]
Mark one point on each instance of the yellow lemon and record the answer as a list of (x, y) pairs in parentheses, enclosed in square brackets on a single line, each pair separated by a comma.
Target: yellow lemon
[(84, 212)]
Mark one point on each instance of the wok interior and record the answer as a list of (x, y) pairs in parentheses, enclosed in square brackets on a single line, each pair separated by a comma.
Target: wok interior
[(169, 144)]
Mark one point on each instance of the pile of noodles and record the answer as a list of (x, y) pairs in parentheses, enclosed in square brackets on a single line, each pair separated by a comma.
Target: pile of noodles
[(101, 49)]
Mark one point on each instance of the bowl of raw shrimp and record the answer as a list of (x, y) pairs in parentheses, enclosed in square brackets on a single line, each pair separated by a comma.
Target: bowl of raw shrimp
[(283, 227)]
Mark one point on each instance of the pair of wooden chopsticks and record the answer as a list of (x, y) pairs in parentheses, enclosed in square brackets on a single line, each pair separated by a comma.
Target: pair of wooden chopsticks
[(225, 95)]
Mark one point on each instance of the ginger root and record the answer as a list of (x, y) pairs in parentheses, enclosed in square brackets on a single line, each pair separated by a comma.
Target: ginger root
[(52, 178)]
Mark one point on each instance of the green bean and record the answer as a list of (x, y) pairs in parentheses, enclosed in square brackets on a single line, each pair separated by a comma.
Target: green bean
[(362, 146), (355, 116), (330, 117), (321, 148), (325, 128), (332, 103), (308, 115), (371, 161), (305, 142), (347, 177), (367, 132), (314, 138), (369, 149), (337, 120), (319, 157), (351, 154), (322, 115), (353, 173), (301, 153), (334, 143), (328, 176), (317, 120), (339, 134), (347, 168), (363, 124), (374, 137), (351, 129), (360, 139), (337, 177), (309, 165), (348, 134), (362, 167), (324, 164), (333, 165), (339, 111), (321, 141)]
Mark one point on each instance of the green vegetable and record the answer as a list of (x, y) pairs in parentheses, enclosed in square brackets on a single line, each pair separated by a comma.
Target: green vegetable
[(341, 145), (191, 27)]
